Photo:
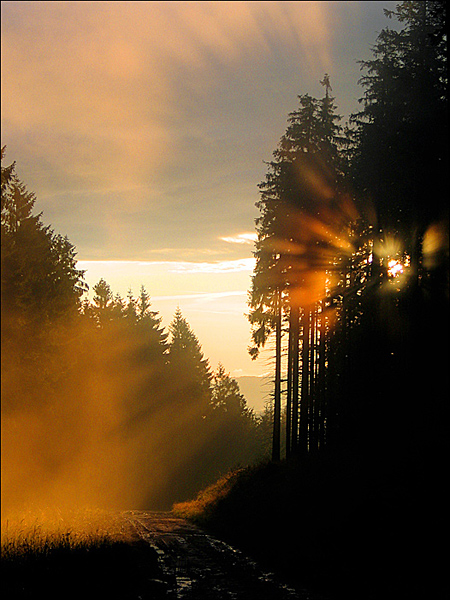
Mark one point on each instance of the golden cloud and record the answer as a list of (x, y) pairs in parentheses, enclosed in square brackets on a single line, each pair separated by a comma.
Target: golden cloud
[(92, 86)]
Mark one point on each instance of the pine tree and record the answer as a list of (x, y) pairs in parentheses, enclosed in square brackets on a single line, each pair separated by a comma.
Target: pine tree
[(190, 371), (40, 297), (225, 393), (291, 252), (399, 164), (153, 346), (234, 426), (103, 302), (39, 278), (401, 153)]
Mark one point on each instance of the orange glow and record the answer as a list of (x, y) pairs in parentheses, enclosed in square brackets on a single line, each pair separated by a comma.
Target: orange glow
[(395, 268), (435, 243), (318, 243), (103, 443), (100, 81)]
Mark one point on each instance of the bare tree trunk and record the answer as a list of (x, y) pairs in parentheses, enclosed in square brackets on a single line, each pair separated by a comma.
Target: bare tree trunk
[(295, 324), (289, 386), (305, 397), (322, 376), (276, 441)]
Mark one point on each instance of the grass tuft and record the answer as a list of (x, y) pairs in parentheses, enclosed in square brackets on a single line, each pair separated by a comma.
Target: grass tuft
[(83, 555), (199, 509)]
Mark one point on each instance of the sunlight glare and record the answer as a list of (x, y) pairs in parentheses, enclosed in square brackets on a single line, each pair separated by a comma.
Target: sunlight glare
[(395, 267)]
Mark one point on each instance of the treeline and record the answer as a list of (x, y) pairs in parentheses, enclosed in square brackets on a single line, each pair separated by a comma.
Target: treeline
[(350, 286), (351, 278), (96, 393), (350, 293)]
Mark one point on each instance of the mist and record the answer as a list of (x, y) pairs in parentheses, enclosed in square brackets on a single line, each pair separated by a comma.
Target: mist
[(92, 424), (69, 446)]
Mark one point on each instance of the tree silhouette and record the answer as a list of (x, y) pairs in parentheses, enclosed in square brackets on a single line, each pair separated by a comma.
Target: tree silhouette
[(235, 427), (399, 168), (401, 154), (40, 296), (39, 278), (292, 254), (190, 370)]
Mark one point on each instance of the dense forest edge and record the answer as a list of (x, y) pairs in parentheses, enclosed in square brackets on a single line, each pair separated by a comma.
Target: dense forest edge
[(340, 484), (351, 291)]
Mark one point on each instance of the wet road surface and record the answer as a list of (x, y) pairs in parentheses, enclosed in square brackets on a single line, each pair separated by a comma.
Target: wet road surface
[(196, 566)]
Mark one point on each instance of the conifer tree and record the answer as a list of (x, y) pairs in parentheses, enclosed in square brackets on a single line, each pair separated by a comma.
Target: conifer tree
[(399, 165), (103, 302), (234, 426), (153, 346), (225, 393), (190, 371), (400, 159), (40, 281), (40, 297), (301, 182)]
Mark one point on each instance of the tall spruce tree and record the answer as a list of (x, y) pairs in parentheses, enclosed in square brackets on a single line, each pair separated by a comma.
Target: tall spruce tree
[(399, 166), (191, 375), (40, 296), (401, 157), (39, 278), (233, 424), (153, 338), (301, 183)]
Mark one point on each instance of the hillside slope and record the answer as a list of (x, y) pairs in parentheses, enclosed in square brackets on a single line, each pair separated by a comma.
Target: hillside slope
[(330, 525)]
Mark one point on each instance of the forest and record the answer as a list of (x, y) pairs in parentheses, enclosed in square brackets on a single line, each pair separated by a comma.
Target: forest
[(103, 395), (102, 405), (350, 293), (352, 249)]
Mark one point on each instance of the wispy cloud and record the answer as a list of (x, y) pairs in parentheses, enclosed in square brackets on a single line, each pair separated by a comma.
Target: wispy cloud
[(205, 296), (224, 266), (86, 84), (241, 238)]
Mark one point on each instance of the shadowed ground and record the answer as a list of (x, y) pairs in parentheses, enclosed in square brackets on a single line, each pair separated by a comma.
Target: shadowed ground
[(137, 555), (196, 566)]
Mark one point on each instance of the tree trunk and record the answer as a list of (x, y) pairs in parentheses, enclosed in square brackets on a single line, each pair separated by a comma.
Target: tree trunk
[(322, 377), (295, 325), (276, 441), (304, 401), (313, 383), (289, 387)]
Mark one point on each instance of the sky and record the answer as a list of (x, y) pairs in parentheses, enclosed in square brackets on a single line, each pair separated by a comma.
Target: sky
[(143, 129)]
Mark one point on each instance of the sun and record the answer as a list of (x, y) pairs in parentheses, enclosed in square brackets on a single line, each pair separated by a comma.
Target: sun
[(397, 268)]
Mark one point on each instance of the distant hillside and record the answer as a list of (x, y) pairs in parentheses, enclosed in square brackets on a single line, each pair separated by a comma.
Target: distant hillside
[(256, 391)]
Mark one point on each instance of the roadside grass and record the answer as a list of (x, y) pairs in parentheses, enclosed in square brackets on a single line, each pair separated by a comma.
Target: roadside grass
[(87, 554), (200, 508), (330, 523)]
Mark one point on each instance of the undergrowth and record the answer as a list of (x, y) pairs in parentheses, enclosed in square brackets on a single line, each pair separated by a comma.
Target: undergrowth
[(201, 508), (84, 555), (332, 524)]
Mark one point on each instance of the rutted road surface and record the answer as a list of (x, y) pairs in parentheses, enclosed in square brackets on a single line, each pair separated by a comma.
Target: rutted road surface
[(196, 566)]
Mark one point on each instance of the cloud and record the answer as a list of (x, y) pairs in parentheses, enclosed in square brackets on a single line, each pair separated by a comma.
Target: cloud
[(171, 280), (204, 296), (93, 88), (224, 266), (241, 238), (132, 120)]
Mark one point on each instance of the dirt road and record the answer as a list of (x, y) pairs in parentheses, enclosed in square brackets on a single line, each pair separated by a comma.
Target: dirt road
[(196, 566)]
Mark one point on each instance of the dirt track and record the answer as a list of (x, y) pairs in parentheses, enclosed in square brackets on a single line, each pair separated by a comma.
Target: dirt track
[(196, 566)]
